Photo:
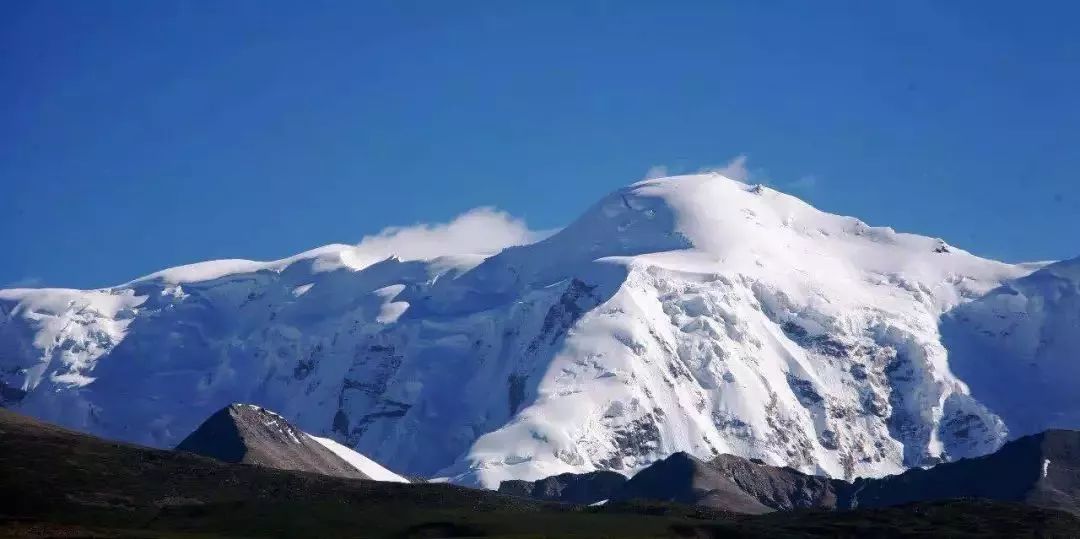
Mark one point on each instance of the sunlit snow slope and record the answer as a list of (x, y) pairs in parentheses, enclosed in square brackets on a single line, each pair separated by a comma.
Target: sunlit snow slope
[(369, 467), (692, 313)]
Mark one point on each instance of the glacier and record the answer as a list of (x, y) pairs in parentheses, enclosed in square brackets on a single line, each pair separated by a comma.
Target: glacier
[(692, 313)]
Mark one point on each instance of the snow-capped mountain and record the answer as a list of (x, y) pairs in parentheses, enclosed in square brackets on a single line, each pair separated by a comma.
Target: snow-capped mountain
[(693, 314)]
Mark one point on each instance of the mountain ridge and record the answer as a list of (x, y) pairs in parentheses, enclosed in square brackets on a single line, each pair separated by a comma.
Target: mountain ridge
[(1039, 469)]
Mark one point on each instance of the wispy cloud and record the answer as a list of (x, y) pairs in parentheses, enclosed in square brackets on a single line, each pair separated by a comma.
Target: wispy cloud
[(734, 169), (482, 231), (739, 169), (656, 171)]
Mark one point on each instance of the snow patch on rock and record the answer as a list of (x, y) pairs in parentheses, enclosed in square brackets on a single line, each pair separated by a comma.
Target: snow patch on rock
[(365, 465)]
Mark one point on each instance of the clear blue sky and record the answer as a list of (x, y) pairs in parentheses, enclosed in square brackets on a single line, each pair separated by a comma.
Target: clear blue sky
[(140, 135)]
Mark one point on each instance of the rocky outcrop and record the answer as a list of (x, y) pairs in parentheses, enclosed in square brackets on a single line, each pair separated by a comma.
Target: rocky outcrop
[(778, 488), (244, 433), (681, 478)]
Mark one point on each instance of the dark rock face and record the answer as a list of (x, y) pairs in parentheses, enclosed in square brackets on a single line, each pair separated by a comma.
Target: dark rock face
[(243, 433), (581, 489), (1041, 469), (778, 488), (684, 479)]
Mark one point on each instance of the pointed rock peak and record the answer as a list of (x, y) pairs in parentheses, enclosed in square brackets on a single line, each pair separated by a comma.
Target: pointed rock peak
[(245, 433), (680, 461), (218, 437), (250, 415)]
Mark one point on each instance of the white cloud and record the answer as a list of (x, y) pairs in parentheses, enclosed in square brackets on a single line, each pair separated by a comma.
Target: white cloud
[(657, 171), (737, 169), (483, 231), (479, 231), (734, 169)]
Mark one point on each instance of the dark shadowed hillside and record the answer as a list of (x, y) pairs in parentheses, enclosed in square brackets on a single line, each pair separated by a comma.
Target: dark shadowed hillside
[(70, 484), (1041, 469), (583, 488)]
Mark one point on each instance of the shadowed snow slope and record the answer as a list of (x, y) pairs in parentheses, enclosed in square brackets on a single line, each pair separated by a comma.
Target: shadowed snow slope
[(1019, 348), (691, 314)]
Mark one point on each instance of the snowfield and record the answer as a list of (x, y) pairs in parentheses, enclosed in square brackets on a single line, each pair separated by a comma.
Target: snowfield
[(692, 313), (366, 466)]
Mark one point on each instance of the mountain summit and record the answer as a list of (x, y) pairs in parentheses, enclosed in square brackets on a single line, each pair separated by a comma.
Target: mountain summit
[(692, 313)]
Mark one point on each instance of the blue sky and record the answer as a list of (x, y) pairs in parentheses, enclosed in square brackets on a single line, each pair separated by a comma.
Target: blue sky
[(140, 135)]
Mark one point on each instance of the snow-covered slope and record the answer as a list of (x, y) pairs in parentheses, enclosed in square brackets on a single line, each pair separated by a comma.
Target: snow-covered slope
[(365, 465), (692, 313)]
